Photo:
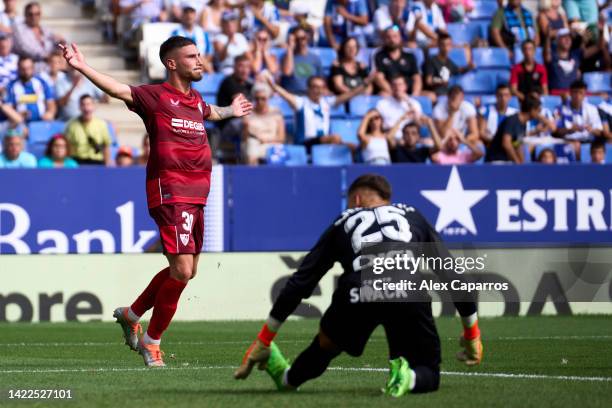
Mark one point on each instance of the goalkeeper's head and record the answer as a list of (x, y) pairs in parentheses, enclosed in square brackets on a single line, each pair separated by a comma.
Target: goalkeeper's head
[(369, 190)]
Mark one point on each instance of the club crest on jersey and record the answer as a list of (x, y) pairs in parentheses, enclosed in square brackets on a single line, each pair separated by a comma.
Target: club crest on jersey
[(184, 239), (174, 103)]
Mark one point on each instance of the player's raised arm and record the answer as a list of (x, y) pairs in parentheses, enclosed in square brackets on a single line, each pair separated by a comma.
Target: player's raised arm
[(108, 84), (240, 107)]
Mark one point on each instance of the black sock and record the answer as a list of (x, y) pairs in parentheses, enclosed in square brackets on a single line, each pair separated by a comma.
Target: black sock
[(311, 363), (427, 379)]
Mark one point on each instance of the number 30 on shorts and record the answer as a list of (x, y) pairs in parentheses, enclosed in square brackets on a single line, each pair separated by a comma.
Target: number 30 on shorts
[(188, 218)]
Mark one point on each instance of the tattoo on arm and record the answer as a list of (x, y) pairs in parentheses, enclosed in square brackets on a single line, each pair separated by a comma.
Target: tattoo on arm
[(220, 113)]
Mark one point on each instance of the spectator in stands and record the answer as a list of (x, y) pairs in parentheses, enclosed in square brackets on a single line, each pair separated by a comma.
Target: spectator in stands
[(143, 11), (177, 8), (578, 121), (33, 40), (57, 154), (313, 110), (345, 18), (397, 105), (439, 69), (491, 116), (551, 18), (145, 150), (394, 14), (373, 139), (528, 77), (301, 11), (512, 25), (30, 95), (212, 16), (9, 17), (89, 136), (506, 146), (581, 11), (70, 88), (598, 152), (450, 153), (347, 72), (8, 60), (191, 30), (391, 60), (124, 157), (263, 128), (426, 21), (230, 43), (563, 64), (455, 11), (299, 63), (259, 15), (407, 149), (547, 156), (261, 55), (54, 72), (239, 82), (13, 156), (456, 114)]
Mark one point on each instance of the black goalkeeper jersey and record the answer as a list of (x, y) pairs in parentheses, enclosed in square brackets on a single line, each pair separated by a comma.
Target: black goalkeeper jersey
[(343, 242)]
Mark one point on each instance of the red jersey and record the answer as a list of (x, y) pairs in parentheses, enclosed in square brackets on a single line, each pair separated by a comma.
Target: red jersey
[(179, 166)]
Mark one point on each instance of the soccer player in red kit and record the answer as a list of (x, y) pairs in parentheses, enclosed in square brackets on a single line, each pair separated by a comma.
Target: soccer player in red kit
[(178, 178)]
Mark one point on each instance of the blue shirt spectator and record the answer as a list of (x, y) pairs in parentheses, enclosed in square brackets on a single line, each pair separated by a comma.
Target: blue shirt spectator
[(8, 60), (260, 15), (30, 95), (70, 88), (57, 154), (345, 18), (299, 63), (190, 29), (13, 156)]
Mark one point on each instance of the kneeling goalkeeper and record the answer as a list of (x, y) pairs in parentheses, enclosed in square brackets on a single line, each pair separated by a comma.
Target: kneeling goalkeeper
[(346, 326)]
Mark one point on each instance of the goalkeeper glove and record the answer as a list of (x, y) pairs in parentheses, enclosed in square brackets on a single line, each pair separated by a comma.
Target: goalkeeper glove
[(258, 353)]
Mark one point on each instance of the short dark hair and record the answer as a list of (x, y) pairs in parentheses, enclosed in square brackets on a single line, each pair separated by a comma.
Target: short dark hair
[(171, 44), (578, 84), (502, 86), (396, 76), (443, 36), (455, 90), (29, 6), (83, 97), (241, 58), (410, 124), (24, 58), (529, 104), (598, 144), (314, 77), (528, 41), (189, 9), (374, 182)]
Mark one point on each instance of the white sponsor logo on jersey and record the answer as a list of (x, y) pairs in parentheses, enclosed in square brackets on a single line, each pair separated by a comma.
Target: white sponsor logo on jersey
[(187, 124)]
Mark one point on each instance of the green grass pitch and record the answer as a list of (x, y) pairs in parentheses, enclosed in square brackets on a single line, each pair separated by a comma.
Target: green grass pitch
[(529, 362)]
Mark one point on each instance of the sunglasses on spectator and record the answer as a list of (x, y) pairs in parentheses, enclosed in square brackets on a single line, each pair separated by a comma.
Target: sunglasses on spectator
[(301, 38), (262, 39)]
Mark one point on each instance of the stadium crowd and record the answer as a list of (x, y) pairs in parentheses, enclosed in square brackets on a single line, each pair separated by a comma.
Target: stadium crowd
[(378, 81)]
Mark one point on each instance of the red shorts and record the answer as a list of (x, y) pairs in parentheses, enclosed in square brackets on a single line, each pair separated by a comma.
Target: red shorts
[(181, 227)]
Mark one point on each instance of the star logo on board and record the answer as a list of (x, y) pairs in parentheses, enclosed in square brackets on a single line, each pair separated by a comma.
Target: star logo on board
[(455, 203)]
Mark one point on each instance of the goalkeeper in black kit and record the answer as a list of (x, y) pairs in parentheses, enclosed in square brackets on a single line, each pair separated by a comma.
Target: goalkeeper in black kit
[(346, 326)]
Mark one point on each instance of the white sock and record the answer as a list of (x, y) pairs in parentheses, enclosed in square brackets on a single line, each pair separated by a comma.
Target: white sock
[(412, 380), (469, 321), (148, 340), (134, 318)]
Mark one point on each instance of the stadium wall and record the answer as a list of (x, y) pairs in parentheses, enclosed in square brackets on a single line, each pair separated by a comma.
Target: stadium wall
[(100, 210), (242, 286)]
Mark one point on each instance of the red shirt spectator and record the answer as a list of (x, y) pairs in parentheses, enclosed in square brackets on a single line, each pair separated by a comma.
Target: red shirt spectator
[(528, 77)]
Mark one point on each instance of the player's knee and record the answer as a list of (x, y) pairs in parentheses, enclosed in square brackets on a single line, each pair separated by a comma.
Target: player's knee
[(182, 273)]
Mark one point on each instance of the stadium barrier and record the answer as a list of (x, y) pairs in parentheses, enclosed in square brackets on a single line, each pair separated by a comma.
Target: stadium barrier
[(99, 210), (242, 286)]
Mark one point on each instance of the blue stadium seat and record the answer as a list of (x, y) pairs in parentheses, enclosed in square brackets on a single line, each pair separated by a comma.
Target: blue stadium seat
[(425, 103), (113, 134), (526, 153), (491, 57), (550, 102), (210, 98), (209, 84), (282, 105), (346, 129), (457, 55), (286, 155), (484, 28), (478, 82), (564, 152), (598, 81), (365, 55), (585, 153), (595, 99), (463, 33), (483, 10), (338, 111), (418, 54), (37, 149), (331, 155), (278, 53), (361, 104), (518, 55), (502, 76), (41, 132), (327, 55)]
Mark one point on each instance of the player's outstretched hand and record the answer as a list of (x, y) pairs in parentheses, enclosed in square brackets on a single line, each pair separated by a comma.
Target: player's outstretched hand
[(241, 106), (73, 56), (258, 353)]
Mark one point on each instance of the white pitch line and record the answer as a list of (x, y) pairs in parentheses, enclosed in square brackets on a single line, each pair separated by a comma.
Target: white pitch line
[(350, 369), (204, 343)]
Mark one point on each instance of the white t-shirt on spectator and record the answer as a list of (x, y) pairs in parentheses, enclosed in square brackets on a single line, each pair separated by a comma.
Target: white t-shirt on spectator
[(312, 118), (432, 17), (493, 118), (6, 21), (237, 47), (587, 116), (147, 11), (8, 69), (392, 110), (383, 20), (460, 121), (85, 87)]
